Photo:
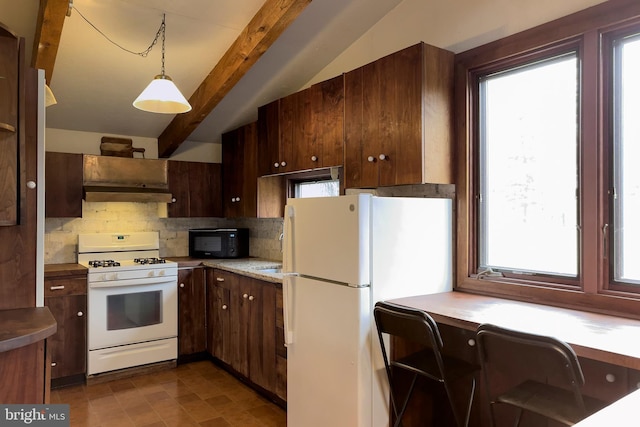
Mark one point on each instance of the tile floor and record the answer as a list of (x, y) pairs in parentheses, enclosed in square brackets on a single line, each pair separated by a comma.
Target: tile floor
[(194, 394)]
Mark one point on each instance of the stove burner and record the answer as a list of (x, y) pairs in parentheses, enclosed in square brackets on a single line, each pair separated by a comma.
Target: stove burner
[(104, 263), (149, 261)]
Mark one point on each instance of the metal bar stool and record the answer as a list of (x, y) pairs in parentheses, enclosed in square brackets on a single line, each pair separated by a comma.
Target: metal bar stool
[(417, 326), (547, 370)]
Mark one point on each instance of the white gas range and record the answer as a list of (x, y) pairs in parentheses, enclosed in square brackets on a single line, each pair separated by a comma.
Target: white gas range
[(132, 301)]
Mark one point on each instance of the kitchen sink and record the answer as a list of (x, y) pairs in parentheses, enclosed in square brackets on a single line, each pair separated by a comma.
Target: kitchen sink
[(271, 270)]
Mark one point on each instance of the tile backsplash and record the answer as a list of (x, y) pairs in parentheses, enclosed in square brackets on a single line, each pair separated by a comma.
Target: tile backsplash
[(61, 234)]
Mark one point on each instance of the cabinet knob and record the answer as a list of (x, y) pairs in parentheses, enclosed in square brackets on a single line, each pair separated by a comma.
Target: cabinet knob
[(314, 158), (610, 378), (31, 184), (245, 296), (54, 364), (370, 159), (383, 157), (173, 200), (80, 314), (237, 199), (182, 285), (283, 164), (251, 298), (471, 342), (224, 306), (276, 164)]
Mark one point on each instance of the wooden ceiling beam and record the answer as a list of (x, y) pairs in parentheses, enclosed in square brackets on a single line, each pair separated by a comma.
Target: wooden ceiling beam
[(51, 17), (261, 32)]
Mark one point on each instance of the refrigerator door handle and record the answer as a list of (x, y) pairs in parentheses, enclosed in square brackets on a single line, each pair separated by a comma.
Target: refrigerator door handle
[(287, 305)]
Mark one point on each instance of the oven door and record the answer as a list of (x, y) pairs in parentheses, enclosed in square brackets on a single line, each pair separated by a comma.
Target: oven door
[(132, 311)]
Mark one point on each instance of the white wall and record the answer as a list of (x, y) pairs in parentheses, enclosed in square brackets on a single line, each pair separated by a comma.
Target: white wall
[(71, 141), (455, 25)]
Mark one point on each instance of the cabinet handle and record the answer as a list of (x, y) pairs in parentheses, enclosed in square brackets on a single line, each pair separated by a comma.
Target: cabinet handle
[(7, 127), (224, 306), (80, 314), (182, 285), (220, 279), (283, 164), (245, 296), (56, 288), (276, 164), (31, 185), (251, 297), (314, 159), (383, 157), (370, 159), (54, 364)]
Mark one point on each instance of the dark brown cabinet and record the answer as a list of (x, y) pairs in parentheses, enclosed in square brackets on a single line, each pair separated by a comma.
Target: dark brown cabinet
[(196, 188), (242, 328), (63, 181), (10, 58), (66, 296), (240, 171), (191, 311), (398, 124), (304, 130), (281, 350)]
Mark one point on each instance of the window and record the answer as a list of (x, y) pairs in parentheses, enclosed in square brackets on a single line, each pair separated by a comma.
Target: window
[(548, 185), (324, 188), (528, 168), (626, 173)]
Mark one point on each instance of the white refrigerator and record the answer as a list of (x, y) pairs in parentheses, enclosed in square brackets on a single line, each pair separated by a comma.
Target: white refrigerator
[(342, 255)]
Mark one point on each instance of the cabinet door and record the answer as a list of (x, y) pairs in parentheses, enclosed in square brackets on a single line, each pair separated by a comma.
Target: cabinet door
[(63, 180), (289, 131), (9, 145), (383, 117), (222, 341), (196, 188), (68, 346), (269, 138), (191, 311), (261, 333), (179, 186), (240, 171)]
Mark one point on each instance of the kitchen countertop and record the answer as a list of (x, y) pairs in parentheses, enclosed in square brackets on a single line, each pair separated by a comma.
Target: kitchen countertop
[(246, 266), (23, 326)]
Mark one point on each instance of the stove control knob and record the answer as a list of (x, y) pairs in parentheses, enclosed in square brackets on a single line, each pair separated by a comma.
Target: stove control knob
[(161, 273), (151, 273), (114, 276)]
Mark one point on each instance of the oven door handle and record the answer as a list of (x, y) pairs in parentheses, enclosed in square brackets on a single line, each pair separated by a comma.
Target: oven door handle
[(134, 282)]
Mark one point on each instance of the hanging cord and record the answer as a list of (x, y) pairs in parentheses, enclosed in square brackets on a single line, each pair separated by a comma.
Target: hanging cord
[(145, 52)]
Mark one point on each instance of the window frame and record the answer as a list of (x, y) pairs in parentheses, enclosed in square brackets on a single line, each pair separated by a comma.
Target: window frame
[(588, 30)]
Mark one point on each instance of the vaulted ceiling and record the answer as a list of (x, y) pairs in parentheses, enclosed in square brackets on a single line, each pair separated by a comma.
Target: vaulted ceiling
[(227, 57)]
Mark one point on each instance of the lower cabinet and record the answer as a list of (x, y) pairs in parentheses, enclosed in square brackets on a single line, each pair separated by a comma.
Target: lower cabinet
[(191, 311), (66, 298), (242, 326)]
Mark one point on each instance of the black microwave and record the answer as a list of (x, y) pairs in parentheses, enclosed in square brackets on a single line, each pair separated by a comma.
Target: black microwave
[(219, 242)]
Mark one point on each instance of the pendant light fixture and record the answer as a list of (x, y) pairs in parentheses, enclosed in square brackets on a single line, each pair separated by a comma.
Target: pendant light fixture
[(162, 95)]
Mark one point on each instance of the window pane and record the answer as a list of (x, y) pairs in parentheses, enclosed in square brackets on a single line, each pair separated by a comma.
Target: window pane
[(318, 188), (529, 168), (627, 172)]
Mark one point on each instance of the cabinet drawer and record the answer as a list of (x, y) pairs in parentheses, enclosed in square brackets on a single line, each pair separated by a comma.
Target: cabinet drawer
[(61, 287)]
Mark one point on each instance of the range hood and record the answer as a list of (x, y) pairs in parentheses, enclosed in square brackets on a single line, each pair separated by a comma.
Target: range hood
[(123, 179)]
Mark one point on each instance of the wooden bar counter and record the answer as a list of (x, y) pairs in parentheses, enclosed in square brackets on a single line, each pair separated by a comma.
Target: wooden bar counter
[(24, 373), (608, 347)]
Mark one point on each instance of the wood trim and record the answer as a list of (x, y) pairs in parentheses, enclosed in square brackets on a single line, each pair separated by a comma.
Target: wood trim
[(261, 32), (51, 17)]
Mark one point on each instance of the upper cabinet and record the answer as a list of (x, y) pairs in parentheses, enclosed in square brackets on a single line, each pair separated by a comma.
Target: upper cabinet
[(398, 124), (196, 188), (304, 130), (244, 194), (240, 171), (9, 158)]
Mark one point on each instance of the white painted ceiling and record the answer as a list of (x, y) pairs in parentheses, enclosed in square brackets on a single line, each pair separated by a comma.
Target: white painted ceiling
[(95, 82)]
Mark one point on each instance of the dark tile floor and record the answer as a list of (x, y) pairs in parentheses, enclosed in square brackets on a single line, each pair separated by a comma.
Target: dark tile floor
[(194, 394)]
